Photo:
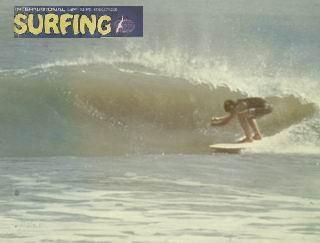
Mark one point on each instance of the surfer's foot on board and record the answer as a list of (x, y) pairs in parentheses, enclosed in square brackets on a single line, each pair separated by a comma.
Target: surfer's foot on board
[(245, 140), (257, 136)]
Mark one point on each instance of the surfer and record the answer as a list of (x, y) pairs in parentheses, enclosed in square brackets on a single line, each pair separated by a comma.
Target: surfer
[(120, 26), (247, 110)]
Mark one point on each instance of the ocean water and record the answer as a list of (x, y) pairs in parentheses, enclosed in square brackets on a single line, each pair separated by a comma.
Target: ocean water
[(161, 198), (106, 140)]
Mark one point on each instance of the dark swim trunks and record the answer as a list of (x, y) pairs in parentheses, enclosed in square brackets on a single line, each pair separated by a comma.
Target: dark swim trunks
[(259, 112), (257, 107)]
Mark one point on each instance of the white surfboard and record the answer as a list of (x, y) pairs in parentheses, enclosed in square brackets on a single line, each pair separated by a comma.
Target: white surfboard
[(232, 148)]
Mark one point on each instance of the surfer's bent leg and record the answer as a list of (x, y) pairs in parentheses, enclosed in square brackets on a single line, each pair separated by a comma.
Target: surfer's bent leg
[(243, 119), (253, 124)]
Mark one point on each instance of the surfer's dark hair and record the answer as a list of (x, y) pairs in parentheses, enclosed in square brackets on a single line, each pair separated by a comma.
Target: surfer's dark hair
[(229, 105)]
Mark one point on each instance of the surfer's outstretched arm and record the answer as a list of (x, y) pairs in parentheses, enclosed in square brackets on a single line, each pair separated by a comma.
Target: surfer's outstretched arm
[(221, 121)]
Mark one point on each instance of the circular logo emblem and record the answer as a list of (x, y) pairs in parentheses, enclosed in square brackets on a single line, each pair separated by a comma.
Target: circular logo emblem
[(125, 26)]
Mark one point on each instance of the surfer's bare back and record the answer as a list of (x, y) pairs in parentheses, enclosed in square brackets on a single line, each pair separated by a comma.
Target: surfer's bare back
[(247, 110)]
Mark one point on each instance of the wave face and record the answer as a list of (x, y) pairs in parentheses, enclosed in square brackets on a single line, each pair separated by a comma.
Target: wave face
[(156, 94), (95, 107)]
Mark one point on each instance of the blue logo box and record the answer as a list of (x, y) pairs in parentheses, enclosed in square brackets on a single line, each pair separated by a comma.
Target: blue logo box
[(77, 21)]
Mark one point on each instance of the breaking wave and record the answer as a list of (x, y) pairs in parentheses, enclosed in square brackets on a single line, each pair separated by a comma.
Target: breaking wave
[(147, 103)]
